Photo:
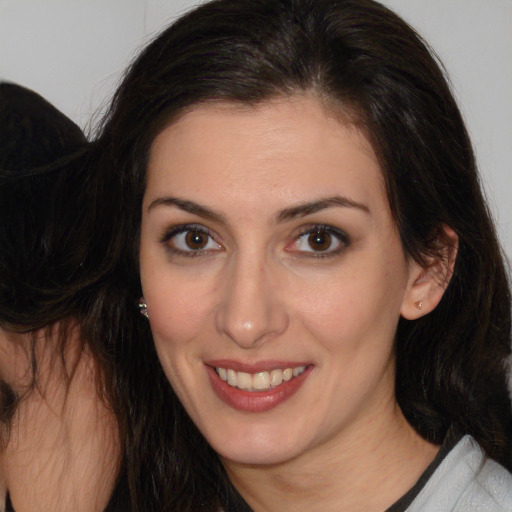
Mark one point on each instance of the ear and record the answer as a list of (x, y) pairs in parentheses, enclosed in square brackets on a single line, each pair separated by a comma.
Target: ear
[(428, 283)]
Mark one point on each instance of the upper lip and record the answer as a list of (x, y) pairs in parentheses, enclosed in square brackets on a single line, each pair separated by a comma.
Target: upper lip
[(254, 367)]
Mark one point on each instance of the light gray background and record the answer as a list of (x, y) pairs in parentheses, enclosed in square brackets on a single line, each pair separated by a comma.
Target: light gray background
[(74, 51)]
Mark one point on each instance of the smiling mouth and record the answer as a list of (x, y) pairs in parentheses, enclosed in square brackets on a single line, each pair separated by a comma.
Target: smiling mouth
[(260, 381)]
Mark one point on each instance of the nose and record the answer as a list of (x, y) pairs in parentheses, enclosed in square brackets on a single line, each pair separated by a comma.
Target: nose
[(250, 310)]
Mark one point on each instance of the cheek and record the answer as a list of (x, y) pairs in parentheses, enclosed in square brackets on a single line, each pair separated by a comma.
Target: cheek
[(177, 319), (353, 309), (175, 307), (339, 318), (178, 309)]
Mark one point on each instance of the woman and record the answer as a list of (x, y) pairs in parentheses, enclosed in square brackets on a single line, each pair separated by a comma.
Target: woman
[(61, 445), (323, 281)]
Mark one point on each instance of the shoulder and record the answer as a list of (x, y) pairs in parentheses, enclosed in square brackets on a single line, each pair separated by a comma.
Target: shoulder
[(466, 481)]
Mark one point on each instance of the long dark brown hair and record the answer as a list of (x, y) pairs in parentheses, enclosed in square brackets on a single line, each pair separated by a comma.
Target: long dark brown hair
[(360, 58), (51, 259)]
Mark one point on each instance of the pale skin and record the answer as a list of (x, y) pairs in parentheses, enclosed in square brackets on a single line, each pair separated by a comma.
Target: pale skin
[(252, 185), (62, 449)]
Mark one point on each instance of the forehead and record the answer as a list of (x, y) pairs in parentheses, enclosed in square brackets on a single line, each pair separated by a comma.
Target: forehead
[(289, 149)]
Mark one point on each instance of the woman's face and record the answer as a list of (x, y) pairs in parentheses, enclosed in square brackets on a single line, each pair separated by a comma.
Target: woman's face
[(274, 277)]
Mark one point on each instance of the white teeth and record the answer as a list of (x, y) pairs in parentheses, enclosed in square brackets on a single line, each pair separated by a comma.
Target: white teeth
[(243, 380), (297, 371), (232, 378), (276, 377), (260, 381)]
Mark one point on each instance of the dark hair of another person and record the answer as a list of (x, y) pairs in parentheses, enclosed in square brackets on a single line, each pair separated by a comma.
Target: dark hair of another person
[(51, 269), (33, 132), (38, 147), (364, 62)]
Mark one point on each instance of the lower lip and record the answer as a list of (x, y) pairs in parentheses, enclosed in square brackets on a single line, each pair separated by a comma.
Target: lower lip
[(255, 401)]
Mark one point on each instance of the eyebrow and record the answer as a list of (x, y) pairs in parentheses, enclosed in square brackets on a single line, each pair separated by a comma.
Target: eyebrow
[(304, 209), (188, 206), (300, 210)]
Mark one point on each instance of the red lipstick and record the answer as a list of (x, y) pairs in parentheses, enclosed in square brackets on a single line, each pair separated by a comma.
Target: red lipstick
[(255, 401)]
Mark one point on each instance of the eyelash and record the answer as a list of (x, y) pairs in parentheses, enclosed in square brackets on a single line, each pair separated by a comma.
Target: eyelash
[(333, 232), (339, 235), (168, 235)]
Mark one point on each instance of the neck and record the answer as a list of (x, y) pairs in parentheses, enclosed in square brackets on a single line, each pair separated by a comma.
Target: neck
[(366, 469)]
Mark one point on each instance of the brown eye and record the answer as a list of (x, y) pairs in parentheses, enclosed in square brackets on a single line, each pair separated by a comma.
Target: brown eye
[(196, 240), (320, 241), (186, 240)]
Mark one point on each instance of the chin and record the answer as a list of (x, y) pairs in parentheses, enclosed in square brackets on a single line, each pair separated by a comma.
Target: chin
[(257, 449), (252, 457)]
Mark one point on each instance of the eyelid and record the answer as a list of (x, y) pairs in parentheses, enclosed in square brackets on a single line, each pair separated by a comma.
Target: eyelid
[(173, 231), (169, 232), (339, 234)]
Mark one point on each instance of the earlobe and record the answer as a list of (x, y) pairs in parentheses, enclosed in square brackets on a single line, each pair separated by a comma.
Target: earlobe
[(424, 294), (427, 284)]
